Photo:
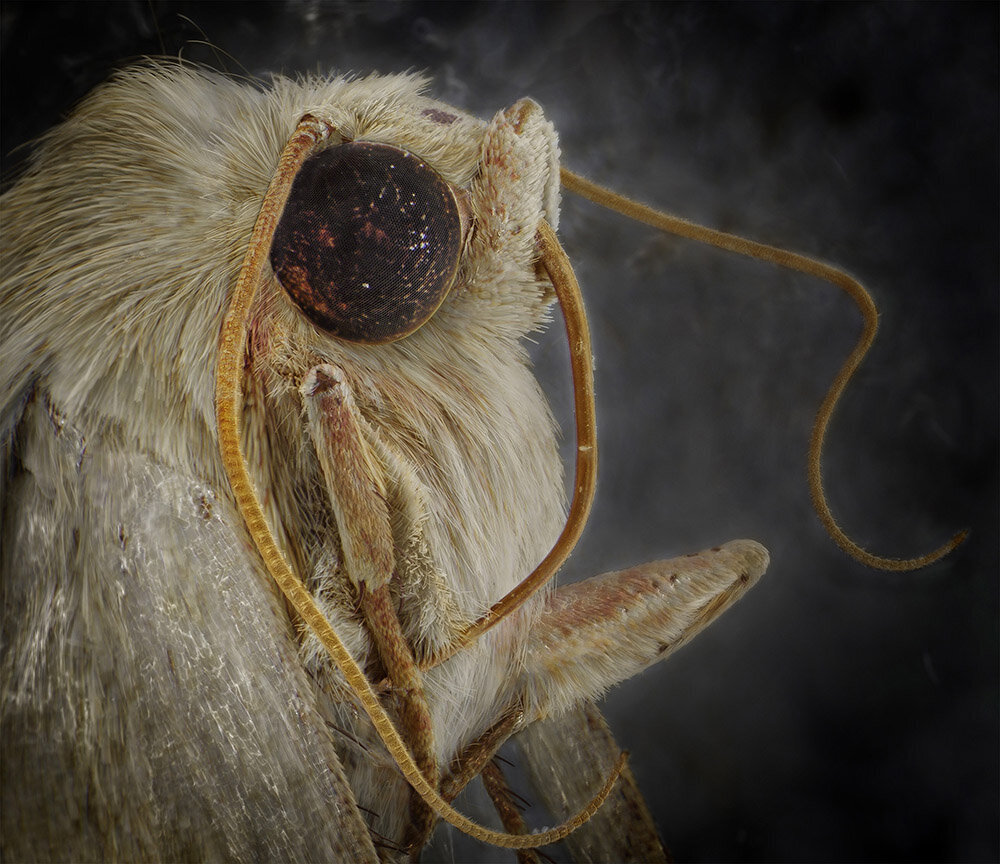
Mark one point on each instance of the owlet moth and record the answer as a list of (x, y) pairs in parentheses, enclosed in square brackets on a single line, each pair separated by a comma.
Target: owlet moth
[(162, 699)]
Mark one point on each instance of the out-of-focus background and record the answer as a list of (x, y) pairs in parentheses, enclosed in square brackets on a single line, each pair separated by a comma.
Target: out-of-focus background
[(836, 713)]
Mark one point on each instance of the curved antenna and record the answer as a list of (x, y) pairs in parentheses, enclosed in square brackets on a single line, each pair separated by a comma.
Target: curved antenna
[(229, 409), (556, 265), (793, 261)]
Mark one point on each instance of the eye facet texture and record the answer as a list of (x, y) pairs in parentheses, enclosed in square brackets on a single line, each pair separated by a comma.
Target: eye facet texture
[(369, 243)]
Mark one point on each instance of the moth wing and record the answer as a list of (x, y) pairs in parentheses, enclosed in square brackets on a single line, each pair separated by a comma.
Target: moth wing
[(154, 703)]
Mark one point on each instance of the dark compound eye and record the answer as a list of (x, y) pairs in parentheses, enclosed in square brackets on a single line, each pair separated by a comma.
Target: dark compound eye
[(369, 242)]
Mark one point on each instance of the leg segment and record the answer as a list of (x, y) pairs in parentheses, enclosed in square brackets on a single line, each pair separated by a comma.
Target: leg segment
[(356, 481)]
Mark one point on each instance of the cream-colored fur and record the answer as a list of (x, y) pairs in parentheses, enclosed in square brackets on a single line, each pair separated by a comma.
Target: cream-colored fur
[(158, 701)]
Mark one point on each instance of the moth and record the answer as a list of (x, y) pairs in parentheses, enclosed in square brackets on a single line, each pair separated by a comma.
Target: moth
[(281, 495)]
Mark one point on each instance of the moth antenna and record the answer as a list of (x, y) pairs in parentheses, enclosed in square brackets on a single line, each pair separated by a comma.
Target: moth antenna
[(803, 264), (228, 408), (556, 265)]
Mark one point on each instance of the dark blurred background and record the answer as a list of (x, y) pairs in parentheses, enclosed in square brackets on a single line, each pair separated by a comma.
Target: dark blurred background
[(836, 713)]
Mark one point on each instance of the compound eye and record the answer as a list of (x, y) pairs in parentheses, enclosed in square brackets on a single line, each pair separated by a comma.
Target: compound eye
[(368, 245)]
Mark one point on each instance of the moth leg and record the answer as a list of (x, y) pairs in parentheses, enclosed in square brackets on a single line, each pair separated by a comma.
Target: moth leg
[(596, 633), (473, 759), (428, 611), (563, 755), (510, 816), (414, 714), (356, 482), (479, 759)]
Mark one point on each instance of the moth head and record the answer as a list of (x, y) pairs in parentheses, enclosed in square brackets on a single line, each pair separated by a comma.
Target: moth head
[(407, 217)]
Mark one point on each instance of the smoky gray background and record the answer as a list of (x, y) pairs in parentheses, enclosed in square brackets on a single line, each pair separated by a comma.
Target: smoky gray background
[(835, 713)]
